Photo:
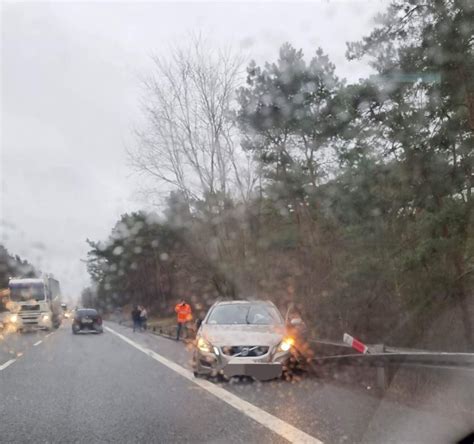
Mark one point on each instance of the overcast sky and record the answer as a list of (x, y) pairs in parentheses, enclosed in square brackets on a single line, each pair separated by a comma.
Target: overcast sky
[(70, 91)]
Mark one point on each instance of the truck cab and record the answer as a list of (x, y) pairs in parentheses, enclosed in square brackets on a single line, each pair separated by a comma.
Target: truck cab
[(34, 303)]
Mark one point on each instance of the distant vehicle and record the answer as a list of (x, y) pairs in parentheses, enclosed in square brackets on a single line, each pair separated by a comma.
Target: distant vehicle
[(66, 312), (87, 319), (243, 338), (34, 303)]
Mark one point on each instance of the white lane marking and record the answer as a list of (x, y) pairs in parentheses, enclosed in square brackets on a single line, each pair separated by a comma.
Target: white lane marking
[(37, 343), (264, 418), (4, 366), (49, 334)]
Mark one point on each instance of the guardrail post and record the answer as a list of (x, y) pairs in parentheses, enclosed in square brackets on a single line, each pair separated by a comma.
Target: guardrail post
[(382, 368)]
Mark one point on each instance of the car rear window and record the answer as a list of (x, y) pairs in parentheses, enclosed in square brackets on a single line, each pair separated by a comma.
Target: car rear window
[(87, 312)]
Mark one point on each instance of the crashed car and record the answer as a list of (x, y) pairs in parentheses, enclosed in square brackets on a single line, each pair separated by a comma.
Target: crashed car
[(244, 338)]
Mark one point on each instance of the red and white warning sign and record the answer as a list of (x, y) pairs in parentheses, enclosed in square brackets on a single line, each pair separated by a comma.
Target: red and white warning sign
[(355, 344)]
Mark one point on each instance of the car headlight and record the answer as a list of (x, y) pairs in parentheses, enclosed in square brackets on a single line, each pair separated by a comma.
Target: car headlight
[(286, 344), (13, 318), (204, 345), (45, 317)]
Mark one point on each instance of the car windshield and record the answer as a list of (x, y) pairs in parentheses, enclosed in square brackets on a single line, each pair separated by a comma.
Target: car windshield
[(24, 292), (258, 314)]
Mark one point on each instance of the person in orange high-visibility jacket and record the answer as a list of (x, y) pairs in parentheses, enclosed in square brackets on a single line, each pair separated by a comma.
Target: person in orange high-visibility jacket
[(184, 314)]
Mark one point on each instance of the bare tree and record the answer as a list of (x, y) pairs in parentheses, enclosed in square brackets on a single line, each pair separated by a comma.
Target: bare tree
[(190, 141)]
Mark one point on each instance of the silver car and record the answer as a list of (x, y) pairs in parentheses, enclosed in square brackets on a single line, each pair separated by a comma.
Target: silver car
[(243, 338)]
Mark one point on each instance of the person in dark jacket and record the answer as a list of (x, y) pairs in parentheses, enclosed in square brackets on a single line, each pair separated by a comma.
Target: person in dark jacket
[(136, 318)]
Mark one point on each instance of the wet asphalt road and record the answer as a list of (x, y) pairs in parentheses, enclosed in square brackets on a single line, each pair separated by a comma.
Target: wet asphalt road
[(99, 388)]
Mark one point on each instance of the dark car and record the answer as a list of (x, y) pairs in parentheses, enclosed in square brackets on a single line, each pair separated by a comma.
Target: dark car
[(87, 319)]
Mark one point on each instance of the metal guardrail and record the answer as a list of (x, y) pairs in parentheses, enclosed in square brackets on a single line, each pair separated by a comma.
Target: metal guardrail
[(168, 331), (335, 343), (378, 351), (385, 358), (464, 360), (371, 347)]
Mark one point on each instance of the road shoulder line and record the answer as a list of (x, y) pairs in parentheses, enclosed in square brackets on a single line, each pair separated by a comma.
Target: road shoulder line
[(276, 425)]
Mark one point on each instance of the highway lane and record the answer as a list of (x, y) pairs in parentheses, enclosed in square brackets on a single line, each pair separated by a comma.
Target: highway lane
[(96, 388), (13, 345), (108, 389)]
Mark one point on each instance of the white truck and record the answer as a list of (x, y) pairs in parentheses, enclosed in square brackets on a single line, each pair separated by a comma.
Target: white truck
[(35, 303)]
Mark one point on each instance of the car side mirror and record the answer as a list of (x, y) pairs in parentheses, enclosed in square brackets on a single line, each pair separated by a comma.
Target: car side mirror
[(295, 322)]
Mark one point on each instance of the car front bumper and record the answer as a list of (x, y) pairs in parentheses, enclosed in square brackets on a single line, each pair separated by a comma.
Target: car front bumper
[(266, 367), (262, 371)]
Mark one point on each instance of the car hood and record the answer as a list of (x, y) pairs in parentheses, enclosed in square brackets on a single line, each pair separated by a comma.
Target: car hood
[(231, 335)]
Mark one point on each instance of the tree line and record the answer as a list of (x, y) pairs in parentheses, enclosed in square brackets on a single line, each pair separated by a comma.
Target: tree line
[(352, 200)]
